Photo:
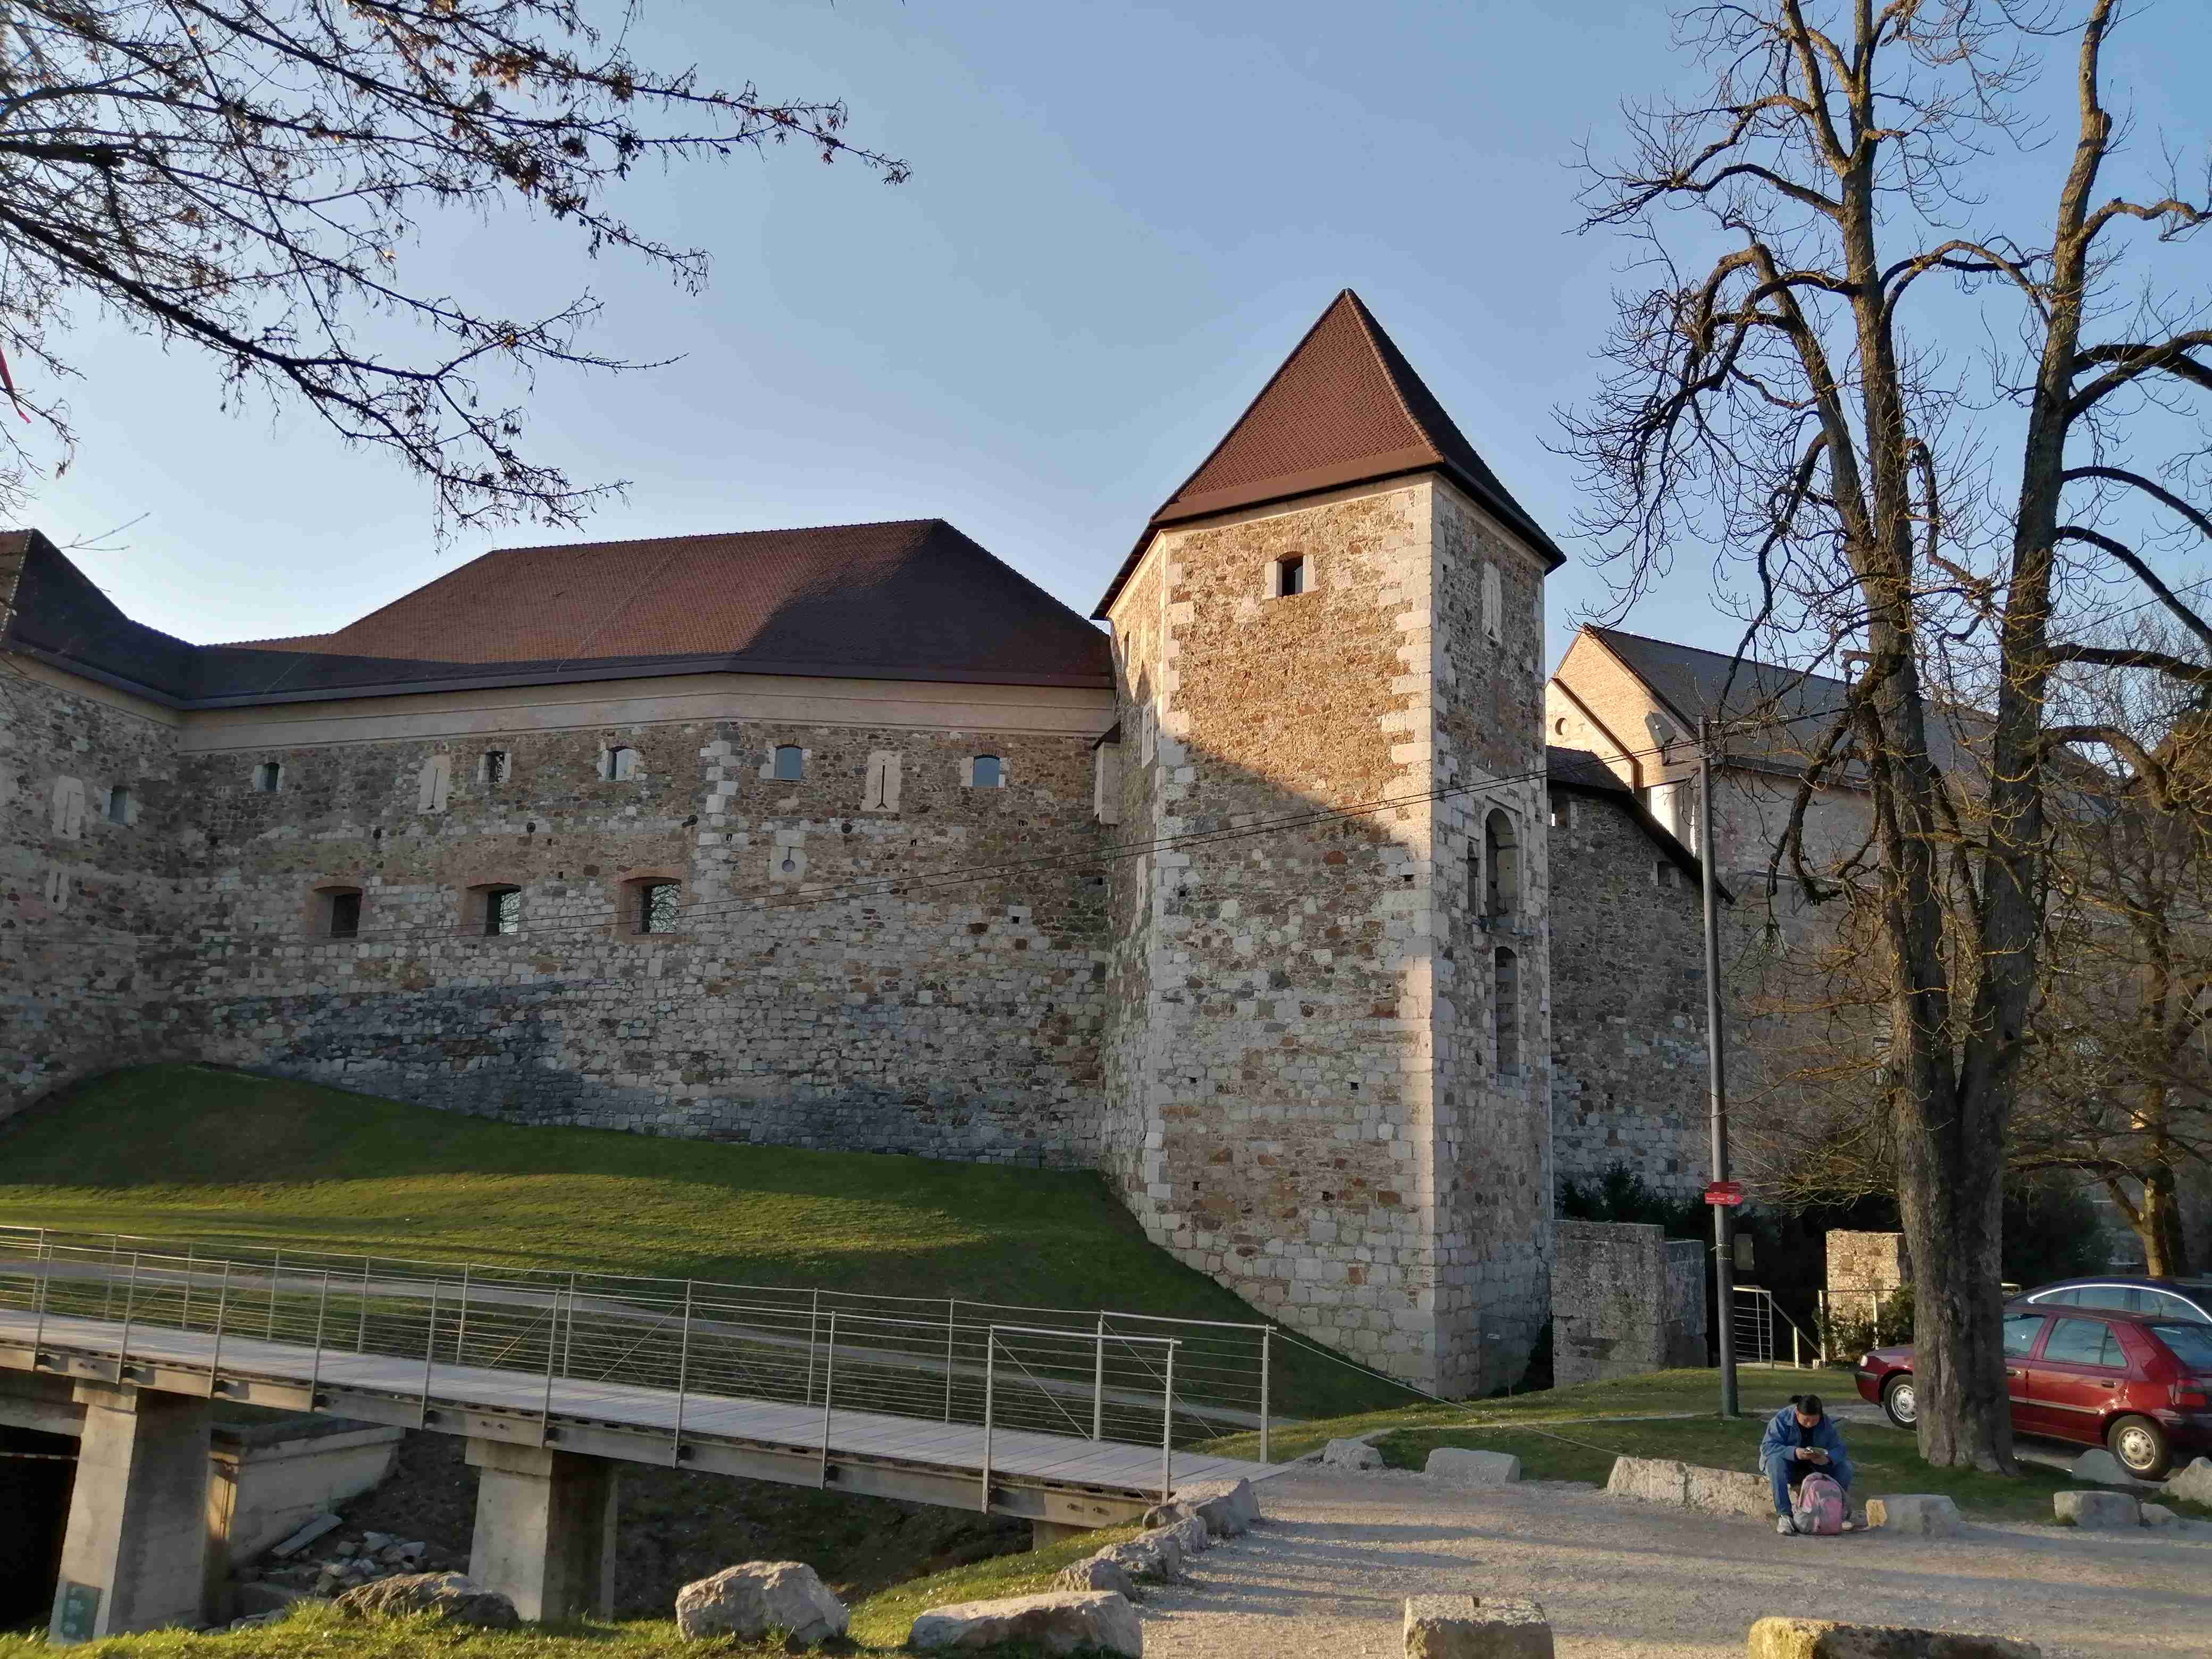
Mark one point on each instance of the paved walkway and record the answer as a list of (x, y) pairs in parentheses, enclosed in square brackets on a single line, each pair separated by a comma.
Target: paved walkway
[(1327, 1577)]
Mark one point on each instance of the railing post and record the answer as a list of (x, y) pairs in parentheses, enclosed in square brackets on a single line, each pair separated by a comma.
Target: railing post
[(1267, 1353), (1167, 1429), (683, 1375), (276, 1278), (568, 1335), (315, 1366), (461, 1332), (39, 1329), (188, 1287), (813, 1321), (361, 1332), (552, 1330), (1098, 1381), (990, 1361), (108, 1283), (951, 1326), (429, 1353), (222, 1306), (129, 1302), (828, 1384)]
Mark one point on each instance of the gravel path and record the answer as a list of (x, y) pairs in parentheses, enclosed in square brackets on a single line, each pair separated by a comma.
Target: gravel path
[(1327, 1576)]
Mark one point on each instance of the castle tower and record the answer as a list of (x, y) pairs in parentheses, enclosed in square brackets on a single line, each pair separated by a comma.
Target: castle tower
[(1328, 1059)]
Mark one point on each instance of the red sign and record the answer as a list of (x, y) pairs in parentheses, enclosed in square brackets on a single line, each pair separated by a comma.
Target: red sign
[(1728, 1192)]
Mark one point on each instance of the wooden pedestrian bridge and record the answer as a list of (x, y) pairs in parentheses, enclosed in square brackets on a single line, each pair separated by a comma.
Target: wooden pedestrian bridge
[(1068, 1420)]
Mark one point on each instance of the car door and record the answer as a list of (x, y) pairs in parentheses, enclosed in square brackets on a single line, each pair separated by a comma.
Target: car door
[(2075, 1381), (2021, 1331)]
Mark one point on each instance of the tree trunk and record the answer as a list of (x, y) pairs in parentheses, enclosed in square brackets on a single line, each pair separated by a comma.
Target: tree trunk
[(2165, 1249)]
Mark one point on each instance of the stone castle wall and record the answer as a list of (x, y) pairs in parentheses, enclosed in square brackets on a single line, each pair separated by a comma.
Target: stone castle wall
[(1628, 1012), (92, 921)]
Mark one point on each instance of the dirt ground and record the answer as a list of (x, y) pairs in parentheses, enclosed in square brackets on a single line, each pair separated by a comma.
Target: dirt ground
[(1327, 1577)]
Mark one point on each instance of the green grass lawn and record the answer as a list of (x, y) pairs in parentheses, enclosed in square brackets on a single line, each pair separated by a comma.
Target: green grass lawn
[(1653, 1395), (194, 1153)]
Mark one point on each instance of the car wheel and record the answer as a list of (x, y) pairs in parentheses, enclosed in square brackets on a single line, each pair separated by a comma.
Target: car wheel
[(1903, 1405), (2140, 1445)]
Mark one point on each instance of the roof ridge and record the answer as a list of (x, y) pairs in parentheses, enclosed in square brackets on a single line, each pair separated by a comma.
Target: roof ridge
[(1371, 331)]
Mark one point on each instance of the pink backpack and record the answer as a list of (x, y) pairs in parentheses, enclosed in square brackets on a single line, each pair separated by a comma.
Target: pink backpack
[(1820, 1505)]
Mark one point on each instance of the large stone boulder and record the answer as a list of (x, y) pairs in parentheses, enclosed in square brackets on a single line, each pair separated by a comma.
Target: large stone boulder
[(1350, 1455), (1923, 1515), (2100, 1466), (755, 1597), (1157, 1555), (1471, 1469), (446, 1595), (1727, 1492), (1654, 1480), (1227, 1507), (1061, 1621), (2194, 1483), (1469, 1627), (1189, 1533), (1167, 1513), (2099, 1510), (1821, 1638), (1095, 1572)]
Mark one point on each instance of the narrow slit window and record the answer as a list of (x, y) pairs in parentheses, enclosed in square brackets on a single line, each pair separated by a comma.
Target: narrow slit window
[(988, 774), (267, 776), (503, 911), (656, 906), (1290, 576), (790, 763), (1501, 854), (1507, 1012), (617, 761), (118, 805)]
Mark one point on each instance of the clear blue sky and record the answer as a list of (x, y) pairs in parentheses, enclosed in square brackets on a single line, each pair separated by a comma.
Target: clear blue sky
[(1121, 216)]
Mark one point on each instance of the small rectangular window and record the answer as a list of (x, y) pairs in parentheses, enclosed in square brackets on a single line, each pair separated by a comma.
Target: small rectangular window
[(1290, 577), (267, 776), (493, 768), (656, 906), (790, 764), (503, 911), (986, 773), (118, 805), (345, 916), (617, 761)]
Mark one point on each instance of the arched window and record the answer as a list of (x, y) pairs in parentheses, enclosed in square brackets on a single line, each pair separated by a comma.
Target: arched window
[(790, 763), (267, 776), (1501, 860), (501, 911), (986, 772), (118, 805), (1506, 1012), (617, 761)]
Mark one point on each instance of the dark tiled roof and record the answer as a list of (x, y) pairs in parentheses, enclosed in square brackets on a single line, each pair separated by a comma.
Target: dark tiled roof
[(1345, 407), (911, 600), (1690, 681), (1584, 772)]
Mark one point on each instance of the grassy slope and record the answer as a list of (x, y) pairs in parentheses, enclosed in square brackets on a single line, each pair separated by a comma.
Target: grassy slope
[(191, 1151)]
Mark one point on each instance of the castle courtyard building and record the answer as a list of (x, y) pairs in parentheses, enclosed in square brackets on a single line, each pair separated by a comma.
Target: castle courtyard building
[(1269, 901)]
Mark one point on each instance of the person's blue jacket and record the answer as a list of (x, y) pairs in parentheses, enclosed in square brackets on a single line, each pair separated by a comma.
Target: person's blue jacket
[(1784, 1434)]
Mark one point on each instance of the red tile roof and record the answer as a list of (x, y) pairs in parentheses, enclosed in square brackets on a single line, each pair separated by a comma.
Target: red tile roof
[(909, 600), (1345, 407)]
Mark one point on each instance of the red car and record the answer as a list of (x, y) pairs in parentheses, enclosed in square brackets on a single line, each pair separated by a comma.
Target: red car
[(2141, 1386)]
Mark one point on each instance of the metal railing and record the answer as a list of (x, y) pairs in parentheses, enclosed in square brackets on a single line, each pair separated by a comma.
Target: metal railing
[(1759, 1324), (1130, 1378)]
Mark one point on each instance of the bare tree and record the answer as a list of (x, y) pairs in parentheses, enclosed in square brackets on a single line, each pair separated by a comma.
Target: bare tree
[(246, 177), (1793, 402)]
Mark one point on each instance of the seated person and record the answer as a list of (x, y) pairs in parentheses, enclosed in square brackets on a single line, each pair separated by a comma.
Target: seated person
[(1800, 1438)]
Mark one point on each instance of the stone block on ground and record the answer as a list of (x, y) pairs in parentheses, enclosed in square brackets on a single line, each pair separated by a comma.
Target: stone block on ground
[(1350, 1455), (1095, 1572), (755, 1597), (1227, 1507), (1061, 1621), (2099, 1510), (1150, 1555), (1471, 1469), (1821, 1638), (1727, 1491), (2157, 1515), (447, 1595), (1469, 1627), (2193, 1484), (1190, 1533), (1924, 1515), (1167, 1513), (2100, 1466), (1655, 1479)]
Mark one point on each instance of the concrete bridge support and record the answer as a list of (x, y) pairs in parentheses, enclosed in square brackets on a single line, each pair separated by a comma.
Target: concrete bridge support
[(546, 1530), (135, 1554)]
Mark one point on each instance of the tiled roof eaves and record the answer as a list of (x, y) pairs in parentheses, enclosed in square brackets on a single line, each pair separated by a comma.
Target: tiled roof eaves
[(86, 670)]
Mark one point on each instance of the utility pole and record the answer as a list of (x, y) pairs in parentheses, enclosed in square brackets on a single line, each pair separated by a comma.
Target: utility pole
[(1717, 1077)]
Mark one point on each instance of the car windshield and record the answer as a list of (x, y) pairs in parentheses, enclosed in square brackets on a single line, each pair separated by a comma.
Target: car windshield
[(2191, 1344)]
